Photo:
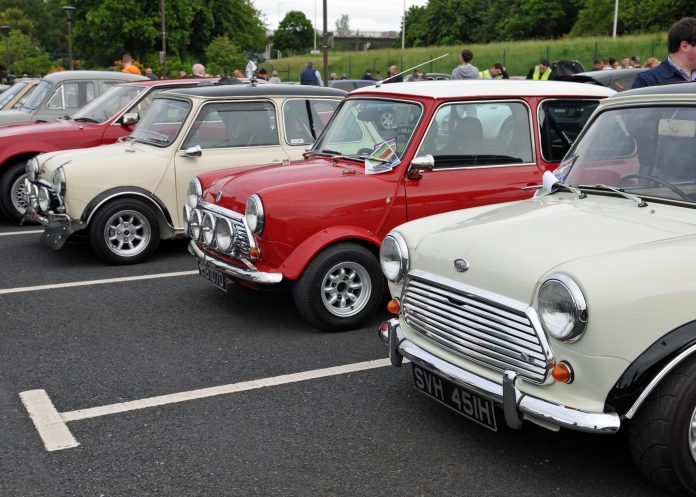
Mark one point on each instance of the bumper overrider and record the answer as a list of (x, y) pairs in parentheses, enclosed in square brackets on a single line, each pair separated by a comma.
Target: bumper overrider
[(516, 405), (46, 207)]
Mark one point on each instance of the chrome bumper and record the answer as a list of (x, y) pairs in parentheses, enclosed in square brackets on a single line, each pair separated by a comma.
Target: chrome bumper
[(516, 405), (235, 272)]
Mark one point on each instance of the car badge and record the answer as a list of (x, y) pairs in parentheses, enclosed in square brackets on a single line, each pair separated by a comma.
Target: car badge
[(218, 196), (461, 265)]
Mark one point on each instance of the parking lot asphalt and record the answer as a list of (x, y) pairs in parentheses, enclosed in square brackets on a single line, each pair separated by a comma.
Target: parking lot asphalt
[(308, 430)]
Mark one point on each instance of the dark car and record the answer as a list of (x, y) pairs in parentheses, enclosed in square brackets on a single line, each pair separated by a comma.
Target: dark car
[(616, 79), (350, 84)]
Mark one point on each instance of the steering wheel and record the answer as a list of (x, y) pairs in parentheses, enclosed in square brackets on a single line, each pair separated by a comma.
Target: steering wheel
[(659, 181), (365, 151)]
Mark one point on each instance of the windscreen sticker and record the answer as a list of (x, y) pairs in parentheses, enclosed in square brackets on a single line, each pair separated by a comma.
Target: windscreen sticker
[(383, 158)]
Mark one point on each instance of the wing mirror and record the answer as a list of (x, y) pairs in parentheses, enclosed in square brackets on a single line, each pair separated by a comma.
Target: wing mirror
[(130, 118), (195, 151), (420, 164)]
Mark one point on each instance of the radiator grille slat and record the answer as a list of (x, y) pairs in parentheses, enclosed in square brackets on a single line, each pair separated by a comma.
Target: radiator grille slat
[(479, 329)]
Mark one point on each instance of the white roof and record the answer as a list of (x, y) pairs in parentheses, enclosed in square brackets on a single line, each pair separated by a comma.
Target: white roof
[(489, 88)]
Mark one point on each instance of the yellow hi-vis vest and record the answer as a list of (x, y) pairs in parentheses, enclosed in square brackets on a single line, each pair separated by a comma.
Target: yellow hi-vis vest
[(538, 76), (485, 74)]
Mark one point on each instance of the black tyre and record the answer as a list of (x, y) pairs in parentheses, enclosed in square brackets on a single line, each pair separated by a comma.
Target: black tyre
[(663, 433), (12, 201), (340, 288), (125, 231)]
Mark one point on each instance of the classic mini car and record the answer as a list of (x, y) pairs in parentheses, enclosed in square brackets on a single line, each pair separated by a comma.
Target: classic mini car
[(63, 93), (105, 119), (574, 309), (390, 154), (129, 195)]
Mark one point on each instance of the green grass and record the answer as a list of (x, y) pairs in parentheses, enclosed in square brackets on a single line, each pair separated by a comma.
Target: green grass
[(518, 57)]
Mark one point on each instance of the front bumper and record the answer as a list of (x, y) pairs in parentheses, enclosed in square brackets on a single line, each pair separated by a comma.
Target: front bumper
[(234, 272), (516, 405), (58, 226)]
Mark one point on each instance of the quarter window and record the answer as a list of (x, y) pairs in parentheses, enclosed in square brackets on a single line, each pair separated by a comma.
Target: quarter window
[(305, 119), (72, 95), (560, 123)]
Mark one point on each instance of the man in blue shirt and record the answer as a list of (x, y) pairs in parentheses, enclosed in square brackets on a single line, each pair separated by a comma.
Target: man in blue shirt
[(680, 65)]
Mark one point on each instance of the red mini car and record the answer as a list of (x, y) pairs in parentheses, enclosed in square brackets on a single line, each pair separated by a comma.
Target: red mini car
[(105, 119), (390, 154)]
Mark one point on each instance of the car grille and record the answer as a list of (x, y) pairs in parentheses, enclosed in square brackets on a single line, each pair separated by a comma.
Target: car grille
[(476, 328), (240, 247)]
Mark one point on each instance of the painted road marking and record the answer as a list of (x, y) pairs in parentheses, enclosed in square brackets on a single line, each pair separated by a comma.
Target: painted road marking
[(55, 434), (94, 282), (27, 232)]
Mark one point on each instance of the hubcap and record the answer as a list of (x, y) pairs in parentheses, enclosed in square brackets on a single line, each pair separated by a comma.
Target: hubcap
[(127, 233), (346, 289), (17, 195), (692, 435)]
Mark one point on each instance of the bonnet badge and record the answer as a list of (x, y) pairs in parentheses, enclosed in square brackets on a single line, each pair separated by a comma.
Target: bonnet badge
[(461, 265)]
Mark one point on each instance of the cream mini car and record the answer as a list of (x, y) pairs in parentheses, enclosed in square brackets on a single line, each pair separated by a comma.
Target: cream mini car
[(129, 195), (574, 309)]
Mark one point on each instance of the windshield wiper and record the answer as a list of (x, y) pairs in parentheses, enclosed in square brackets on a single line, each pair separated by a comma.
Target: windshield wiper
[(85, 120), (636, 199)]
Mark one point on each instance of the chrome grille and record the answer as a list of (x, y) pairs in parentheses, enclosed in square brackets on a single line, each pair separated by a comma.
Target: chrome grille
[(476, 328), (240, 247)]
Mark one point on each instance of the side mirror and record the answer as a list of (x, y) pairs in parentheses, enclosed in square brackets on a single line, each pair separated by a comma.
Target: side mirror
[(420, 164), (195, 151), (130, 118)]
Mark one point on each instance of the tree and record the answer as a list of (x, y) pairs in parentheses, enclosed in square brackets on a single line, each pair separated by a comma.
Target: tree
[(295, 32), (224, 56), (343, 26)]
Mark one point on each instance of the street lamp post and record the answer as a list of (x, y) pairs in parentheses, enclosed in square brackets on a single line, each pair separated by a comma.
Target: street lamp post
[(5, 30), (69, 10)]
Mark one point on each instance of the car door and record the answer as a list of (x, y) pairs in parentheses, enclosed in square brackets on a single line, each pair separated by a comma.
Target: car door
[(229, 134), (483, 153)]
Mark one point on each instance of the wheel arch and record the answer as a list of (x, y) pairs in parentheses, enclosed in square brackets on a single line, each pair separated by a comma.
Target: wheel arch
[(166, 224), (650, 368), (16, 159)]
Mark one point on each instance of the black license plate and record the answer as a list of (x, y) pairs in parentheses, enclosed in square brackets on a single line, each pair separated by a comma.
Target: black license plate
[(214, 275), (468, 404)]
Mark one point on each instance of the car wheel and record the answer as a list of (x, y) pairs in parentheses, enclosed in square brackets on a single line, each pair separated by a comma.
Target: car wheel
[(663, 433), (12, 200), (125, 231), (340, 288), (386, 120)]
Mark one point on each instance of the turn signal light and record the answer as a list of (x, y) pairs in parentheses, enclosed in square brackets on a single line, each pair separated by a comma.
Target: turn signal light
[(394, 306), (255, 253), (563, 372)]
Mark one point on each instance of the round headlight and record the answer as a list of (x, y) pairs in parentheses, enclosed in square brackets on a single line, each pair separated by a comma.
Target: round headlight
[(224, 234), (194, 192), (194, 226), (207, 227), (562, 308), (44, 199), (254, 214), (34, 197), (26, 190), (32, 168), (58, 181), (393, 257)]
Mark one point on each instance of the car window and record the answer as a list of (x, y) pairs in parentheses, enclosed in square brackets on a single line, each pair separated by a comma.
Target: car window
[(72, 95), (479, 134), (108, 104), (162, 123), (305, 119), (234, 124), (560, 123), (38, 94), (11, 92)]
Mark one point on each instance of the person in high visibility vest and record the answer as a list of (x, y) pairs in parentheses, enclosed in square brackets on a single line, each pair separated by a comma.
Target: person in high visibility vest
[(496, 71), (542, 72)]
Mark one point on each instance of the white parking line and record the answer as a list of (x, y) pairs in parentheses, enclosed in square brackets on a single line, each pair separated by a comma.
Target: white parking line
[(95, 282), (27, 232), (55, 434)]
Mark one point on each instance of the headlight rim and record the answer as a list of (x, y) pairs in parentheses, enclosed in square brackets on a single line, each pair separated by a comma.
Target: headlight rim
[(258, 226), (195, 222), (580, 317), (194, 192), (223, 221), (404, 256), (211, 241), (32, 168), (59, 186), (43, 199)]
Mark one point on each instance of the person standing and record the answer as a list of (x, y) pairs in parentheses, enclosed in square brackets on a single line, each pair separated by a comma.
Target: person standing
[(465, 70), (128, 65), (494, 72), (198, 71), (392, 75), (274, 77), (541, 72), (309, 76), (368, 75), (150, 74), (680, 64)]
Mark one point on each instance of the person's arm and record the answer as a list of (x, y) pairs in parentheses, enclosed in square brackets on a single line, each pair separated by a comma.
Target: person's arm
[(530, 74)]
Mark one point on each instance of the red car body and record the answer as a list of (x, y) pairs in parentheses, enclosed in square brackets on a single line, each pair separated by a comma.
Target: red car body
[(315, 205)]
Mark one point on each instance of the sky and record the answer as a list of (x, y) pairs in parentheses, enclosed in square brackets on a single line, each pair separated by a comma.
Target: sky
[(365, 15)]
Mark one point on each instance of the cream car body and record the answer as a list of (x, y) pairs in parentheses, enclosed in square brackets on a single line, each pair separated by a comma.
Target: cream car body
[(575, 308), (186, 133)]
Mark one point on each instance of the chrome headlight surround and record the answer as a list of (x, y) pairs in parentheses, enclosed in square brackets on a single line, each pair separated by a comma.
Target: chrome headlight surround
[(44, 199), (254, 214), (194, 225), (225, 234), (562, 308), (32, 168), (194, 192), (208, 229), (58, 180), (394, 257)]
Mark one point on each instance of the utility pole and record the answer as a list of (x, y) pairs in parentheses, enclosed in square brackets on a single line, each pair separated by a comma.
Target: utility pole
[(616, 17), (403, 29), (163, 53), (325, 37)]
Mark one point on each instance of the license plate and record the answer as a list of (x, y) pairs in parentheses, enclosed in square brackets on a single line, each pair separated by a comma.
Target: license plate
[(468, 404), (214, 275)]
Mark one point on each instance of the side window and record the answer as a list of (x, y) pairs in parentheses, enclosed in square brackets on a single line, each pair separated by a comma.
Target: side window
[(560, 123), (234, 124), (305, 119), (479, 134), (321, 112), (72, 95)]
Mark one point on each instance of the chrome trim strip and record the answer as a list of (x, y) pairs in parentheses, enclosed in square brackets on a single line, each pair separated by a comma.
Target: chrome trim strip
[(123, 193), (657, 379), (530, 407), (234, 271)]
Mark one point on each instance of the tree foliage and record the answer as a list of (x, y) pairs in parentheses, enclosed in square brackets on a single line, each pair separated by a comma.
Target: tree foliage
[(295, 32), (343, 26), (224, 56)]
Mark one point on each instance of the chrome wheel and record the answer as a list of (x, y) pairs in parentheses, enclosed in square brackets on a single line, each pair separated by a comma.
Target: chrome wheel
[(346, 289), (387, 120), (692, 435), (127, 233), (17, 194)]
